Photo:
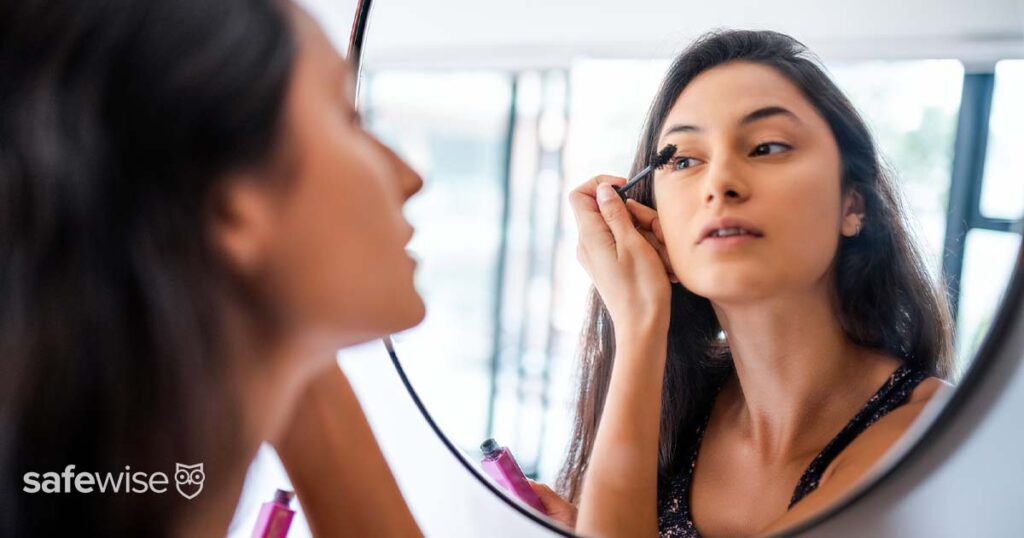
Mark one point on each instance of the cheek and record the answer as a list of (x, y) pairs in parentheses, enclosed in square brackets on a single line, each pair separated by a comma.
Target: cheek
[(338, 242), (678, 222), (677, 228), (808, 218), (805, 238)]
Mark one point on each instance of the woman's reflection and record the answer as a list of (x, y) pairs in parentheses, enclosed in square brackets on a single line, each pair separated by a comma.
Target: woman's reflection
[(758, 341)]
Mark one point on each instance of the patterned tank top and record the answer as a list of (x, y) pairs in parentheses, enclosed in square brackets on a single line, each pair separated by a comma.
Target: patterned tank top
[(674, 497)]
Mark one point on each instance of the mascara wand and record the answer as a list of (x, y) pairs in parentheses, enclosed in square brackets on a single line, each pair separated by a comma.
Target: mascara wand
[(659, 160)]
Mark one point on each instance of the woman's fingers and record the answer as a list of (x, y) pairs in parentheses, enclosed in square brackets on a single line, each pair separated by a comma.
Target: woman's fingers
[(558, 508), (589, 220), (594, 230), (657, 230), (644, 216), (650, 227), (659, 246), (618, 218)]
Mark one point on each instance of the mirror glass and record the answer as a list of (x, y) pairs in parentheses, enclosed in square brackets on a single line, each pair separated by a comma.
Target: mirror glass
[(506, 109)]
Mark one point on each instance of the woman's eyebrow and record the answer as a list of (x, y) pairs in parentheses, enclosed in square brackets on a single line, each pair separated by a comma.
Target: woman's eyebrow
[(759, 114), (767, 112)]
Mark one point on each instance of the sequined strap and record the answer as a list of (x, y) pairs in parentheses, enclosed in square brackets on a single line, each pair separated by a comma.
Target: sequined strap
[(889, 396)]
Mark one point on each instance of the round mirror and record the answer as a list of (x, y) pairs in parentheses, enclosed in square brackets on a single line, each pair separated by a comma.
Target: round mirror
[(831, 332)]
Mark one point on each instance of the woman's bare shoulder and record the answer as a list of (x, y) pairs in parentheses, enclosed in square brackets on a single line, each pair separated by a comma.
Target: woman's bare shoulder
[(853, 463), (871, 444)]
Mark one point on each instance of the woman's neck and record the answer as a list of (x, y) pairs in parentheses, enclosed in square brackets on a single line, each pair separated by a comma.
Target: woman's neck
[(269, 379), (795, 371)]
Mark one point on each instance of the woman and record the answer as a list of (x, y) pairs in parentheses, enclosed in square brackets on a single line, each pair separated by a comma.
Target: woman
[(742, 383), (192, 222)]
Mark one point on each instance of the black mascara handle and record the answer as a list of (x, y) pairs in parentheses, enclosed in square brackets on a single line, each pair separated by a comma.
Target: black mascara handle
[(659, 160), (633, 181)]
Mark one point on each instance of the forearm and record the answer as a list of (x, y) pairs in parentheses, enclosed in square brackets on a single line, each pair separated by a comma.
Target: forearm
[(340, 476), (619, 494)]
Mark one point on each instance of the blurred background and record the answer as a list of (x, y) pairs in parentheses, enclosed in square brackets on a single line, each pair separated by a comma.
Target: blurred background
[(505, 107)]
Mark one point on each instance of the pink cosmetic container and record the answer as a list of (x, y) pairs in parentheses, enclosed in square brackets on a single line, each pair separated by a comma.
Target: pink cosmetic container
[(275, 516), (499, 463)]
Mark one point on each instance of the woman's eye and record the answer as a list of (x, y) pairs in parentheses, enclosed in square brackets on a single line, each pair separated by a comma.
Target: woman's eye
[(681, 163), (769, 148)]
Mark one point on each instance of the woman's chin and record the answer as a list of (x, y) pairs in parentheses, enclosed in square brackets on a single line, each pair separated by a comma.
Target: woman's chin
[(409, 311), (735, 291), (417, 310)]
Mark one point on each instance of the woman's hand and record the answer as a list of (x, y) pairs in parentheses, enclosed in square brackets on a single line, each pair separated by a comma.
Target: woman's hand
[(620, 255), (649, 226), (557, 508)]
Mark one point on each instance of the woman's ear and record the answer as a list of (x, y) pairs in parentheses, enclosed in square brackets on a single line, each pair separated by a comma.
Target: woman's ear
[(243, 222), (853, 214)]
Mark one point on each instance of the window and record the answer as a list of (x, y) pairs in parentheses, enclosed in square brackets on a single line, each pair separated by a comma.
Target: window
[(1002, 194)]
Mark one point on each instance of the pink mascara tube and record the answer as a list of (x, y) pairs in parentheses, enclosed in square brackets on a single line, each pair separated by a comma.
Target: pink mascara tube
[(275, 516), (499, 463)]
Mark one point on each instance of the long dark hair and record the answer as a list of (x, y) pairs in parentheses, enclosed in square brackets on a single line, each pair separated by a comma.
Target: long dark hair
[(118, 121), (886, 299)]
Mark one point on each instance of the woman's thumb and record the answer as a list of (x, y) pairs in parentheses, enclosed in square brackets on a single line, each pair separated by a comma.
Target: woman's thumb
[(614, 211), (545, 493)]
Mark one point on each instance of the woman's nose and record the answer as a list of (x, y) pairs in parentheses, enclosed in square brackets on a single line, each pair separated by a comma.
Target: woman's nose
[(724, 184), (409, 181)]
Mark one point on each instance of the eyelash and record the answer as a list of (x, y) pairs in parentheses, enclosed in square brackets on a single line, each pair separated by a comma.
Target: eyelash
[(676, 160)]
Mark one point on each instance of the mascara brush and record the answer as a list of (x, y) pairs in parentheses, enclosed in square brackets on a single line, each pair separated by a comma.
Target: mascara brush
[(659, 160)]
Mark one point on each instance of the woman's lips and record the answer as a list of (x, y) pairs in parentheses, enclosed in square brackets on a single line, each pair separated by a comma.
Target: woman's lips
[(727, 242)]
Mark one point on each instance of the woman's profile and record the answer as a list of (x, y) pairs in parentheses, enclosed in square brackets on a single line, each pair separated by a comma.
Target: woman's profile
[(763, 325), (192, 221)]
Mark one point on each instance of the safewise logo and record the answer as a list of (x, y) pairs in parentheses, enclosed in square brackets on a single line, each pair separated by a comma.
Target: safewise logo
[(188, 480)]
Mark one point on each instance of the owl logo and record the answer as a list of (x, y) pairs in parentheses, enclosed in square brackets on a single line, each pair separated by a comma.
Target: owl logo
[(189, 479)]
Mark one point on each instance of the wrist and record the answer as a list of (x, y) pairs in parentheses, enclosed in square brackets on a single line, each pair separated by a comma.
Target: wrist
[(648, 329)]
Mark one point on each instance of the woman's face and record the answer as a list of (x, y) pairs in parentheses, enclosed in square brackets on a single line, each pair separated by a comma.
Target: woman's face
[(750, 147), (329, 244)]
